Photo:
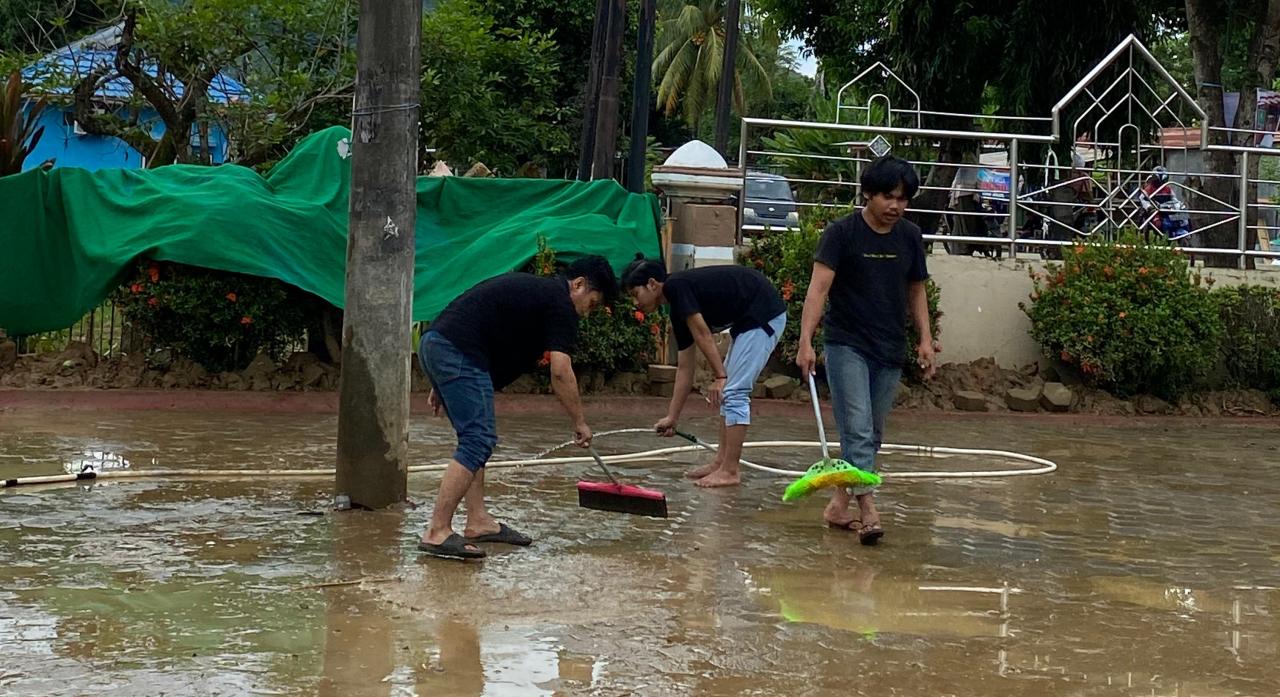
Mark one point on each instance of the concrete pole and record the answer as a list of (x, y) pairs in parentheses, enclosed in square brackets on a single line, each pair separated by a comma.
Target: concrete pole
[(373, 404), (724, 101), (606, 145)]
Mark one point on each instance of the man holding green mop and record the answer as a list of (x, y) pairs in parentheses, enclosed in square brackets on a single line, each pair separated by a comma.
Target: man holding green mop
[(704, 301), (485, 339), (871, 265)]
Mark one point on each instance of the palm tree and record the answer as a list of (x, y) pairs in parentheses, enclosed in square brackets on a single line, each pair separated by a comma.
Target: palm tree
[(690, 58)]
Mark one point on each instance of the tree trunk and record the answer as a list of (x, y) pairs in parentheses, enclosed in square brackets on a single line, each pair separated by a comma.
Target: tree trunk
[(606, 145)]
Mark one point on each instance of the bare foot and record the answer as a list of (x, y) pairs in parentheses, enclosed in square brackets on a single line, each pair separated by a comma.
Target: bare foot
[(720, 478), (703, 471)]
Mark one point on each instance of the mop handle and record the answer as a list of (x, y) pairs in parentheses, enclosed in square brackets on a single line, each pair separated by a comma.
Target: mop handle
[(594, 454), (817, 414)]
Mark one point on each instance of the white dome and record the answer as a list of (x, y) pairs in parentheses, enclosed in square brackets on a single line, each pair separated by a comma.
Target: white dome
[(696, 153)]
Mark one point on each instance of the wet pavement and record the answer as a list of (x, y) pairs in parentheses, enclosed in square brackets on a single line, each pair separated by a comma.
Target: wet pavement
[(1147, 565)]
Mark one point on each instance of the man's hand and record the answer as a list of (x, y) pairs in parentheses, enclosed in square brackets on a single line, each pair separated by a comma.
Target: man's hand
[(666, 427), (806, 359), (715, 394), (582, 435), (437, 406), (927, 358)]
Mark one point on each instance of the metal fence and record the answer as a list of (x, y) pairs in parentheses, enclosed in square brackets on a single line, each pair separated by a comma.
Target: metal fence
[(1093, 167), (104, 329)]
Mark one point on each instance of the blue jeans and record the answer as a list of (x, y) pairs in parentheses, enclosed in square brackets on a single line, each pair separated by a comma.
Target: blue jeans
[(467, 393), (862, 393), (747, 357)]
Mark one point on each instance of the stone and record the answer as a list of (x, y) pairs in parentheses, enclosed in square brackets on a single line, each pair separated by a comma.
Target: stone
[(1148, 404), (779, 387), (8, 354), (258, 374), (759, 391), (299, 360), (1056, 397), (662, 373), (312, 375), (160, 360), (78, 350), (968, 400), (625, 382), (662, 389), (1023, 398), (479, 169)]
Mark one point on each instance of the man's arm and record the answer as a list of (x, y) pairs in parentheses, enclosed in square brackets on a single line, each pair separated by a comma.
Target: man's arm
[(565, 384), (918, 300), (814, 303), (680, 394), (706, 343)]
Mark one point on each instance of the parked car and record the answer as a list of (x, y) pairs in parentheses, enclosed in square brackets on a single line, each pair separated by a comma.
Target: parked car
[(769, 202)]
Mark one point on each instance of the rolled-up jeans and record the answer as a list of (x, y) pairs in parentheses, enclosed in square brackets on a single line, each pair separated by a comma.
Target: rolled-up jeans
[(747, 358), (466, 390), (862, 394)]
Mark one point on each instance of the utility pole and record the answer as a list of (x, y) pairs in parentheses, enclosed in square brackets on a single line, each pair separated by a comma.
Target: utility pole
[(640, 92), (606, 146), (732, 17), (591, 98), (373, 402)]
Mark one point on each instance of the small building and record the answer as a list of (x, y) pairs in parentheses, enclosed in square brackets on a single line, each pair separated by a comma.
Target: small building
[(66, 144)]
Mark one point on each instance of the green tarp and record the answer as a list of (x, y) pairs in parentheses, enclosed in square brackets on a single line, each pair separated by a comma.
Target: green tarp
[(67, 235)]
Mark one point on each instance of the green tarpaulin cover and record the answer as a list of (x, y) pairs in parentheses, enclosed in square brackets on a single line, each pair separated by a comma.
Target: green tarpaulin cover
[(67, 235)]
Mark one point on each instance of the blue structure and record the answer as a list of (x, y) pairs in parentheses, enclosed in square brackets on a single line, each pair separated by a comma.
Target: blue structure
[(66, 145)]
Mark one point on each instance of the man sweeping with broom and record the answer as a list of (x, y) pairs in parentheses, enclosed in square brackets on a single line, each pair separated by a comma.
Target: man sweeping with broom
[(485, 339), (704, 301)]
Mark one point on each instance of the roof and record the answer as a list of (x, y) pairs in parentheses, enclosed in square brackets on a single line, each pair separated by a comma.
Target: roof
[(79, 58)]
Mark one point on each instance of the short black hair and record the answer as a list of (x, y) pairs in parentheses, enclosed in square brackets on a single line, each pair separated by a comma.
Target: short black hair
[(599, 275), (887, 173), (641, 270)]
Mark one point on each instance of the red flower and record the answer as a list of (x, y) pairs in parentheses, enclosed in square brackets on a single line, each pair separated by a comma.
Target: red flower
[(154, 273), (231, 297), (1066, 357), (1142, 271), (135, 288), (639, 316), (653, 329), (788, 289), (153, 302), (246, 320), (545, 360), (1123, 315)]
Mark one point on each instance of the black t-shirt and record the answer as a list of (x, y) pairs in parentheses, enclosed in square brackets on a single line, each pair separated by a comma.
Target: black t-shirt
[(736, 298), (508, 322), (869, 295)]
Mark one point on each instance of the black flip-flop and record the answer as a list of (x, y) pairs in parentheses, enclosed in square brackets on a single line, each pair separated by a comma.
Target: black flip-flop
[(453, 547), (504, 535), (870, 533)]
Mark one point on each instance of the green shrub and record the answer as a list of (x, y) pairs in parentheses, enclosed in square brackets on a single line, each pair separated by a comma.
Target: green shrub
[(614, 340), (1128, 316), (218, 319), (786, 258), (1251, 336)]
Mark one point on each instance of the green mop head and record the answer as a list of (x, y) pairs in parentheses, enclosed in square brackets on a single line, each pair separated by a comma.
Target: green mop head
[(829, 473)]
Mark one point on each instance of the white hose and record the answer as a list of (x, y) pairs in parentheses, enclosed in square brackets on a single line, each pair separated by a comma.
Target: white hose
[(655, 455)]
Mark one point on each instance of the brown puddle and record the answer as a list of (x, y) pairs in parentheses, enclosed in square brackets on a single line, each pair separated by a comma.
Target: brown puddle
[(1145, 566)]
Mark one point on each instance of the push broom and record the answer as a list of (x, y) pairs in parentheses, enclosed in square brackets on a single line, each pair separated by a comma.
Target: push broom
[(620, 498), (826, 472)]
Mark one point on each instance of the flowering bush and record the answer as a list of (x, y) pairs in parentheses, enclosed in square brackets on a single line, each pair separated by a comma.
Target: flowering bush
[(1128, 316), (787, 260), (1251, 336), (218, 319), (615, 339)]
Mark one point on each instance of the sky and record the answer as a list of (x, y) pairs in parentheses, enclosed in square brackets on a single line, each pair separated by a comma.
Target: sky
[(808, 64)]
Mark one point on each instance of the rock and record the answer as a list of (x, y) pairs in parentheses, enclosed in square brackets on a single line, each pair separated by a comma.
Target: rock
[(259, 373), (525, 384), (625, 383), (1023, 398), (8, 354), (77, 350), (299, 360), (1056, 397), (160, 360), (662, 389), (479, 170), (1148, 404), (71, 366), (967, 400), (779, 387), (313, 374), (759, 391), (662, 373)]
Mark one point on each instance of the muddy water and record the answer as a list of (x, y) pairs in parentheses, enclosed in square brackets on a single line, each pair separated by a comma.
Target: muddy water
[(1148, 565)]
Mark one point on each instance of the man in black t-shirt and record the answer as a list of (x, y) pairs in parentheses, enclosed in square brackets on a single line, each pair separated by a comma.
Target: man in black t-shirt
[(704, 301), (485, 339), (871, 265)]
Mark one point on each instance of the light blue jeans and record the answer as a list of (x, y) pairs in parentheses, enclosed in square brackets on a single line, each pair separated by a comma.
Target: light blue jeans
[(862, 393), (747, 358)]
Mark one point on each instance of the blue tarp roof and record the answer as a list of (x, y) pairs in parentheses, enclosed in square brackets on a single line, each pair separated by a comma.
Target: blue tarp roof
[(57, 72)]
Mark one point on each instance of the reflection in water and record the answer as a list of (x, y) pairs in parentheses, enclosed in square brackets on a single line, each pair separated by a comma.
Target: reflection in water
[(215, 588)]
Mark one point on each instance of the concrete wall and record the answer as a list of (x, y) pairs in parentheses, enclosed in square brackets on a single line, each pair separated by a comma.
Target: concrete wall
[(980, 305), (61, 144)]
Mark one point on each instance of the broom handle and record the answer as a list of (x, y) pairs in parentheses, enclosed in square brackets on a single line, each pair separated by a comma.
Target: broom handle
[(594, 454), (817, 414)]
